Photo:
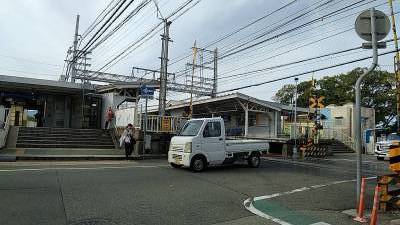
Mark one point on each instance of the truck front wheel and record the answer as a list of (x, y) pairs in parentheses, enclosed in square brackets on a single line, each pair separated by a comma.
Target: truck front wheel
[(198, 164), (254, 160)]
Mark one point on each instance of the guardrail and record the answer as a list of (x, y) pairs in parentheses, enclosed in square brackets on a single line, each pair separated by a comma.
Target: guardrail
[(4, 127)]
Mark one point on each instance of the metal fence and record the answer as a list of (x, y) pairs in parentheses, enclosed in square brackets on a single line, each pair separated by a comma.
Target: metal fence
[(164, 124)]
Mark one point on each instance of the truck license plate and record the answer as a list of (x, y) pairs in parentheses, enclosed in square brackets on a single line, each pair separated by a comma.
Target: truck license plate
[(177, 161)]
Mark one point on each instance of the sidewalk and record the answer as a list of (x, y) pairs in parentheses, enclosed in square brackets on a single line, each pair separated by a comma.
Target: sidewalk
[(68, 154)]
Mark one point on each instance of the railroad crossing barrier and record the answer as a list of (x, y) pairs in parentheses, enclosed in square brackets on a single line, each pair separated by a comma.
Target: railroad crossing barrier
[(310, 150), (394, 155), (390, 196)]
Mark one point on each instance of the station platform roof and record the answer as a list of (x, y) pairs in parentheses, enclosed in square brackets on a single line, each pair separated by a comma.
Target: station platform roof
[(232, 102), (24, 84)]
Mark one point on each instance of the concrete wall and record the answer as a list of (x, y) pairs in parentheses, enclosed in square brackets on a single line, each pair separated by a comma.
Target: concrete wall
[(124, 117), (112, 100), (264, 126), (343, 117)]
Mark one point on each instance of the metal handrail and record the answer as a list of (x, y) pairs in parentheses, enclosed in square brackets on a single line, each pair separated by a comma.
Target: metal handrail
[(4, 132), (340, 135)]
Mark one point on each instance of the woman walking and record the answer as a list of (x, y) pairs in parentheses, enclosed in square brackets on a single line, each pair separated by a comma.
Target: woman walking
[(128, 140)]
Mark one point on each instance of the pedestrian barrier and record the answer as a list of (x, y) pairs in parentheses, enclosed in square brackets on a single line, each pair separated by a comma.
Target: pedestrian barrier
[(390, 196), (360, 212), (374, 214), (389, 184), (394, 156), (316, 151)]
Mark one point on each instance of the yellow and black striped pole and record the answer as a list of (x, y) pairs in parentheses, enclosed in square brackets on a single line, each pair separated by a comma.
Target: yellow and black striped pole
[(394, 157)]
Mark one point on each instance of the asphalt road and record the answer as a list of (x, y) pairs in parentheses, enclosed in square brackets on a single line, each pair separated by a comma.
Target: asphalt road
[(150, 192)]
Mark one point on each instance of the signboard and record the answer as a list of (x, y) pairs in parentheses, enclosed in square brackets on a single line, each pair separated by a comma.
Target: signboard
[(146, 91), (166, 124), (363, 25)]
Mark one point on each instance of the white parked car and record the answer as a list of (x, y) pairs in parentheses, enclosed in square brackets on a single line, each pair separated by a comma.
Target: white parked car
[(202, 143), (382, 147)]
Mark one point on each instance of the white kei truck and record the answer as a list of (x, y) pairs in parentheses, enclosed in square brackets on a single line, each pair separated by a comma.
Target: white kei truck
[(202, 143)]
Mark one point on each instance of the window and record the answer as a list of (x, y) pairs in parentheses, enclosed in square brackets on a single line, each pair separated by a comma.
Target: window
[(212, 129), (191, 128)]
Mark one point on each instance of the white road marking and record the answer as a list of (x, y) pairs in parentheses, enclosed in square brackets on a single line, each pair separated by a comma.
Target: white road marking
[(348, 160), (80, 168), (249, 206)]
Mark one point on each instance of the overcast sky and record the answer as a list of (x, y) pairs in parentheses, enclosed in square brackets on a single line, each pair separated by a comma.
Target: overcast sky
[(36, 34)]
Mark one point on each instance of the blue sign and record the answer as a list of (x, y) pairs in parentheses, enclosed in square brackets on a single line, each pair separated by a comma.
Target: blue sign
[(146, 91)]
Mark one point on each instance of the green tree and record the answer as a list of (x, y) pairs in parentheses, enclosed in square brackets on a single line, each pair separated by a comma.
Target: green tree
[(378, 92)]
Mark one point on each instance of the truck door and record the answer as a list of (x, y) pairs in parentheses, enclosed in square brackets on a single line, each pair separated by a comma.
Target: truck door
[(213, 142)]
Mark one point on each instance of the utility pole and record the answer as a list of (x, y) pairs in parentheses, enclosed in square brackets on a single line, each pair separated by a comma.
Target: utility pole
[(164, 70), (396, 64), (295, 155), (191, 88), (214, 91), (74, 53)]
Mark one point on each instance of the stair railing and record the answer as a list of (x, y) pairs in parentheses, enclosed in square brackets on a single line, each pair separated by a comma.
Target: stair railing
[(4, 128), (340, 135)]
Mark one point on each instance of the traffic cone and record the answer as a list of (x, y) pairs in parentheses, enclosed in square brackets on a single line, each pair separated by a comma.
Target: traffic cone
[(360, 212), (374, 216)]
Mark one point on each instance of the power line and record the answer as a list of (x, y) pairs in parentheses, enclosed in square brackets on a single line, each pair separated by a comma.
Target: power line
[(106, 23), (292, 29), (147, 36), (109, 44), (173, 61), (290, 63), (97, 21), (277, 27), (285, 52), (304, 73), (30, 61), (122, 23)]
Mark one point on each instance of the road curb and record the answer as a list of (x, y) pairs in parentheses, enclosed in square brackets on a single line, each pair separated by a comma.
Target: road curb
[(8, 158), (83, 157)]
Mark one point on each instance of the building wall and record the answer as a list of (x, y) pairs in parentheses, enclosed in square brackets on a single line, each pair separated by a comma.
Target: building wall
[(343, 117), (264, 126)]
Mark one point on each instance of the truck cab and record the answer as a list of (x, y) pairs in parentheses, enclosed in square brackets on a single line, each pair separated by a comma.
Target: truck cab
[(202, 142)]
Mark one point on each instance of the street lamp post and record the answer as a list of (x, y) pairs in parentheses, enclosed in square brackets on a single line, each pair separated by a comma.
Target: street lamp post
[(295, 153)]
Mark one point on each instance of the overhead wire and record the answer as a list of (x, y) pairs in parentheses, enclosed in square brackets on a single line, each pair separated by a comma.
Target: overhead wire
[(148, 35), (285, 52)]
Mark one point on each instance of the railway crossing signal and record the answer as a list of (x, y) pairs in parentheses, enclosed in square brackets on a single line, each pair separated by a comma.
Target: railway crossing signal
[(317, 102)]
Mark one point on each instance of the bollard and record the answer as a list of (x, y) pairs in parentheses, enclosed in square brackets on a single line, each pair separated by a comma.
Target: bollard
[(360, 212), (374, 215)]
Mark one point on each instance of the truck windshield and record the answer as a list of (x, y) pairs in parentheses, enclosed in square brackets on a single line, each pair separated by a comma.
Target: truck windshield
[(191, 128)]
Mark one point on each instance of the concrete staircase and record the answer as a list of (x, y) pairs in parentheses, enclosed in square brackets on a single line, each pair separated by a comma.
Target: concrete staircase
[(45, 137), (337, 147)]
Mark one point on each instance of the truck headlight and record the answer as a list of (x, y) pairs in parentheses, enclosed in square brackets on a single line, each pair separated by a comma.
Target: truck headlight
[(188, 147)]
